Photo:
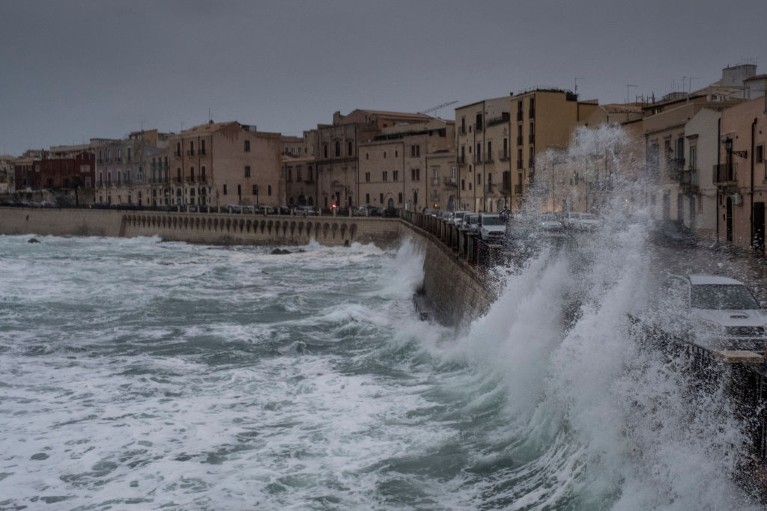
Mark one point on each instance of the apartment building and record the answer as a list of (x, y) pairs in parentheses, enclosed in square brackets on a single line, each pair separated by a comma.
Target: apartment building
[(337, 158), (6, 174), (741, 175), (683, 147), (67, 173), (299, 169), (497, 141), (220, 164), (409, 166), (126, 169)]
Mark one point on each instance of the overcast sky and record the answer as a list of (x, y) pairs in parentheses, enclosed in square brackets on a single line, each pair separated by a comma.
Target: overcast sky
[(73, 70)]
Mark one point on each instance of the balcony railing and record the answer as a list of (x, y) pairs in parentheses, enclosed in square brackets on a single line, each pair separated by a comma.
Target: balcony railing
[(461, 160), (518, 189), (491, 188), (725, 174), (503, 155), (451, 182), (675, 167), (488, 158)]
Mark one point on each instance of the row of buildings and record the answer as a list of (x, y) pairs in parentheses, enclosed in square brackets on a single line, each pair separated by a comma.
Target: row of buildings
[(703, 150)]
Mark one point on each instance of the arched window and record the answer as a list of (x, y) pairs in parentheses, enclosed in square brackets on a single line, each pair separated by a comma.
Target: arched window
[(338, 148)]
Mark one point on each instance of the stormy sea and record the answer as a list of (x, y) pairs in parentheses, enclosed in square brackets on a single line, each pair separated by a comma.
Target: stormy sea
[(142, 374)]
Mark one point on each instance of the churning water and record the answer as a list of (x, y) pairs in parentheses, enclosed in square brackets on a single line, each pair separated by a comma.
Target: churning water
[(138, 374)]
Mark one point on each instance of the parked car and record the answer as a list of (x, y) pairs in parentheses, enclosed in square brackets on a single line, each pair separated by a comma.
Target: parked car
[(306, 210), (471, 222), (430, 212), (458, 217), (491, 228), (714, 311), (582, 221), (550, 222)]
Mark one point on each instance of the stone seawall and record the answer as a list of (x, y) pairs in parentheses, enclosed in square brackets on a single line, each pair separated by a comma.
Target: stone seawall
[(455, 288), (201, 227), (61, 222)]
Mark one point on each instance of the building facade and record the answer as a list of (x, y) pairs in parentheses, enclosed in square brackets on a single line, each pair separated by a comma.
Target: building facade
[(497, 141), (337, 156), (408, 166), (221, 164)]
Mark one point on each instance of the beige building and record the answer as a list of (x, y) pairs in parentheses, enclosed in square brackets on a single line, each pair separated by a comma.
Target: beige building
[(497, 141), (683, 146), (221, 164), (298, 167), (741, 176), (409, 166), (337, 152)]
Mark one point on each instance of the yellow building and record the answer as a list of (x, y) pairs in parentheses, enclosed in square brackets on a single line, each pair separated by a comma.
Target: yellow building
[(497, 141)]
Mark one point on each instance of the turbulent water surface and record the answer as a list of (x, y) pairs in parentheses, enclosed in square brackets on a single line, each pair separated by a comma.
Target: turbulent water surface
[(138, 374)]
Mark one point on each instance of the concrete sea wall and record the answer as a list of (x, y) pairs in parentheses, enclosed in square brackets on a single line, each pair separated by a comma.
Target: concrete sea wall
[(454, 288)]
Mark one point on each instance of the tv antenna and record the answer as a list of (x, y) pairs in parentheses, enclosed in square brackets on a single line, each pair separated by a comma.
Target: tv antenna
[(438, 107)]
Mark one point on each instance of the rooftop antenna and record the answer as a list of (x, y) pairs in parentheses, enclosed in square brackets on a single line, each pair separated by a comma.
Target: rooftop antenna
[(576, 83), (438, 107), (628, 90)]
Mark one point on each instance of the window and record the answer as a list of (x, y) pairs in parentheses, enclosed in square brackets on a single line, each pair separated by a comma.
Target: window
[(384, 155), (191, 147), (759, 154), (202, 147), (239, 190), (463, 184), (269, 190), (247, 146), (367, 156), (349, 148), (255, 190), (178, 175), (415, 151), (298, 172), (178, 149), (415, 174), (478, 155), (224, 190), (367, 177), (399, 198), (381, 196), (324, 150), (693, 157), (367, 198), (247, 170), (385, 176), (479, 179), (202, 174), (191, 174), (338, 148), (489, 149), (395, 175)]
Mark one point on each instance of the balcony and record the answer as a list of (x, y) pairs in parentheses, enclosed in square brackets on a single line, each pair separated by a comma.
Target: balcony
[(518, 189), (491, 188), (461, 160), (501, 119), (725, 175), (689, 181), (451, 182), (477, 158), (503, 155), (519, 115), (190, 152), (489, 158), (675, 168)]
